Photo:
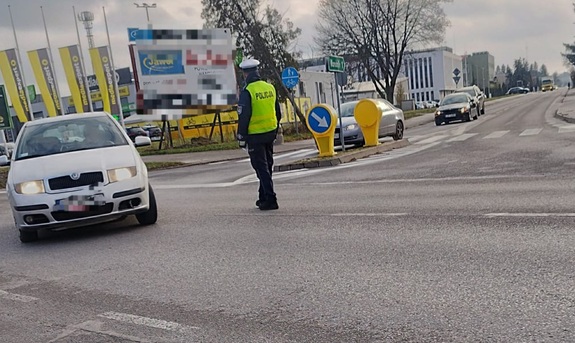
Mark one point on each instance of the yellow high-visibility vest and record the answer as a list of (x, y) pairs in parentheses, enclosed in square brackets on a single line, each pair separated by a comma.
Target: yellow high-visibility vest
[(263, 117)]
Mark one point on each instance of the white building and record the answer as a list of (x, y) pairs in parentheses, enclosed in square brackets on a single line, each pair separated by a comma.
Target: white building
[(432, 73), (318, 86)]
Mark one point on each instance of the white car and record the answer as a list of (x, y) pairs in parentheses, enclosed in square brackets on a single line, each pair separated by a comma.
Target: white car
[(76, 170)]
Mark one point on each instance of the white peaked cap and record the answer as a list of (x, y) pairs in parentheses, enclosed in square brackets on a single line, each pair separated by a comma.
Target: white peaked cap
[(249, 64)]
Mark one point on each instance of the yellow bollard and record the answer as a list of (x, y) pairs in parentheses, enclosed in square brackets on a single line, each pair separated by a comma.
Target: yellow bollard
[(367, 113), (321, 121)]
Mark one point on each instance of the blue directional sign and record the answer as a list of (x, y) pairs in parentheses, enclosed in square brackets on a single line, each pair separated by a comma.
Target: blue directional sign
[(290, 77), (319, 119)]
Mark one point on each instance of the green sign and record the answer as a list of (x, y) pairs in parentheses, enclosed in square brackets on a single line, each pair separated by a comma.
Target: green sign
[(5, 120), (239, 56), (126, 108), (32, 93), (335, 64)]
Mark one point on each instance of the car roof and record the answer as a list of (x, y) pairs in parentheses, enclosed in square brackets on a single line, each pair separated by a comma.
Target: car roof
[(66, 117)]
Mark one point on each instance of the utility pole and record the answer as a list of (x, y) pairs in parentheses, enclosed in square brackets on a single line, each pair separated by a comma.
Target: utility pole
[(146, 6)]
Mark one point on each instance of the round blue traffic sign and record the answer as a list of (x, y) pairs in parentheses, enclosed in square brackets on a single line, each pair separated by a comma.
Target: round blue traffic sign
[(319, 119), (290, 77)]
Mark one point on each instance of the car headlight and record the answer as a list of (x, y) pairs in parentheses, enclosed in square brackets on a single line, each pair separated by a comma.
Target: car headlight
[(30, 187), (120, 174), (464, 109), (350, 127), (437, 113)]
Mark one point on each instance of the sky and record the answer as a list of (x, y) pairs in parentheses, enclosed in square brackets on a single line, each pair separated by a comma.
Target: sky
[(508, 29)]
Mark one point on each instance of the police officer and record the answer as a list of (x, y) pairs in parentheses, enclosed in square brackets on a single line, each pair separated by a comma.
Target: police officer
[(259, 116)]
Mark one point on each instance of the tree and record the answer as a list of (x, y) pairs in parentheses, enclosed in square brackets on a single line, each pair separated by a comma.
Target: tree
[(379, 33), (265, 35), (544, 71)]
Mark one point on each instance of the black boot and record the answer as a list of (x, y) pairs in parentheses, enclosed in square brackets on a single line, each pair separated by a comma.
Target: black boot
[(268, 205)]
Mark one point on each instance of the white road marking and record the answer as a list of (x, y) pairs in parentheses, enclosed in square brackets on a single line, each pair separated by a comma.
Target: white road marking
[(567, 128), (301, 152), (368, 214), (462, 137), (432, 139), (16, 297), (530, 132), (150, 322), (530, 214), (496, 134), (216, 163)]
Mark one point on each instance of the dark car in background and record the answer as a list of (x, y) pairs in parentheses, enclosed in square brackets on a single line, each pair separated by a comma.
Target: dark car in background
[(456, 106), (136, 131), (517, 90), (154, 132)]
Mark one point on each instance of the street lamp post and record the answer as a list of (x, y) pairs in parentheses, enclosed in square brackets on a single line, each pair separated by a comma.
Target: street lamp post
[(146, 6)]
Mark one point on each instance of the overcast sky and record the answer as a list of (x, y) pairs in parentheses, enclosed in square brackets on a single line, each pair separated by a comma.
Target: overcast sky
[(508, 29)]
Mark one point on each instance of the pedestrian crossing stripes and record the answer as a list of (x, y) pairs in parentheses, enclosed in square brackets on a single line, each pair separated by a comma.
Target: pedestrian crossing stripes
[(496, 134), (530, 132), (460, 137)]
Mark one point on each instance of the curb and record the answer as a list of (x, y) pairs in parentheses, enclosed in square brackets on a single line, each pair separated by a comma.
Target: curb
[(344, 158)]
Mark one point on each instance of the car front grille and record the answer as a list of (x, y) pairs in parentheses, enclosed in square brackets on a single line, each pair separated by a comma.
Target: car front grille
[(86, 179), (94, 211)]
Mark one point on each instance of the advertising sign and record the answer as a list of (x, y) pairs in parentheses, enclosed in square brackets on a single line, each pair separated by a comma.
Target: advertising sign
[(5, 119), (45, 77), (14, 84), (74, 69), (184, 72), (106, 78), (167, 62), (123, 77)]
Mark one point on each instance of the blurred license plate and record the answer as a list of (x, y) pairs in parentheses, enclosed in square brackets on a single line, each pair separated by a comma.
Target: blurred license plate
[(336, 135), (79, 203), (450, 115)]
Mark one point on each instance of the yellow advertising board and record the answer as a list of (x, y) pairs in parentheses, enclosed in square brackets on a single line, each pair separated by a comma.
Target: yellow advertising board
[(97, 95)]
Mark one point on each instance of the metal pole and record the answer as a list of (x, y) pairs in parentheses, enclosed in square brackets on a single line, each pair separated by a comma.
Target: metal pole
[(31, 112), (85, 76), (341, 135), (52, 58), (114, 70)]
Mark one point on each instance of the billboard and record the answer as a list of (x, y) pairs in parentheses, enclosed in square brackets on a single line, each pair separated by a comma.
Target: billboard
[(74, 69), (12, 74), (45, 77), (123, 77), (184, 72), (106, 78)]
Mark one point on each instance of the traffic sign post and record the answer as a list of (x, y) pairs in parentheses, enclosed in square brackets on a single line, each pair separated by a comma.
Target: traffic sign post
[(290, 77), (336, 64), (456, 76), (321, 121)]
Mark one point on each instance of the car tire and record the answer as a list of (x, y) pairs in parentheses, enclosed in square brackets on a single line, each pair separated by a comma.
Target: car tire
[(151, 215), (437, 123), (483, 110), (398, 131), (28, 236)]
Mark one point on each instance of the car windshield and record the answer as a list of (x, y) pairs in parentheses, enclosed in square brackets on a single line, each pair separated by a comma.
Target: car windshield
[(62, 136), (471, 92), (454, 99), (347, 109)]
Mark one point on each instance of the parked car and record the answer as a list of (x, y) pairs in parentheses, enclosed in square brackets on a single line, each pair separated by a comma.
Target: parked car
[(477, 96), (391, 125), (456, 106), (154, 132), (517, 90), (76, 170), (135, 131)]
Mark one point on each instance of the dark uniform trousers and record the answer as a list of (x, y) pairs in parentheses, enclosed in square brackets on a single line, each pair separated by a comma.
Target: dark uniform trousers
[(262, 160)]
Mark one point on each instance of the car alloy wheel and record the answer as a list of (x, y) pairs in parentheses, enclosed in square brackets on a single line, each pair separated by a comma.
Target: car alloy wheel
[(398, 131)]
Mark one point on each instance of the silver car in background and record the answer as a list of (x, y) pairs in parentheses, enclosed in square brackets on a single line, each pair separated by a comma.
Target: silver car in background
[(391, 124)]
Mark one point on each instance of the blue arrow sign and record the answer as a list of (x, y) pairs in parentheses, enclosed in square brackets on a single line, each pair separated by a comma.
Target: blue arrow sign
[(290, 77), (319, 119)]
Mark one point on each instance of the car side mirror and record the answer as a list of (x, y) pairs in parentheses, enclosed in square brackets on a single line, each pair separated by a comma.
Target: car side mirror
[(4, 161), (142, 141)]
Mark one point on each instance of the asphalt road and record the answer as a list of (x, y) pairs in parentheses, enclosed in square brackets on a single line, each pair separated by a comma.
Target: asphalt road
[(466, 235)]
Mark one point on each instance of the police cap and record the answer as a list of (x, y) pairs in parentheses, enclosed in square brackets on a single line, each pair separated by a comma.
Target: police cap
[(249, 64)]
